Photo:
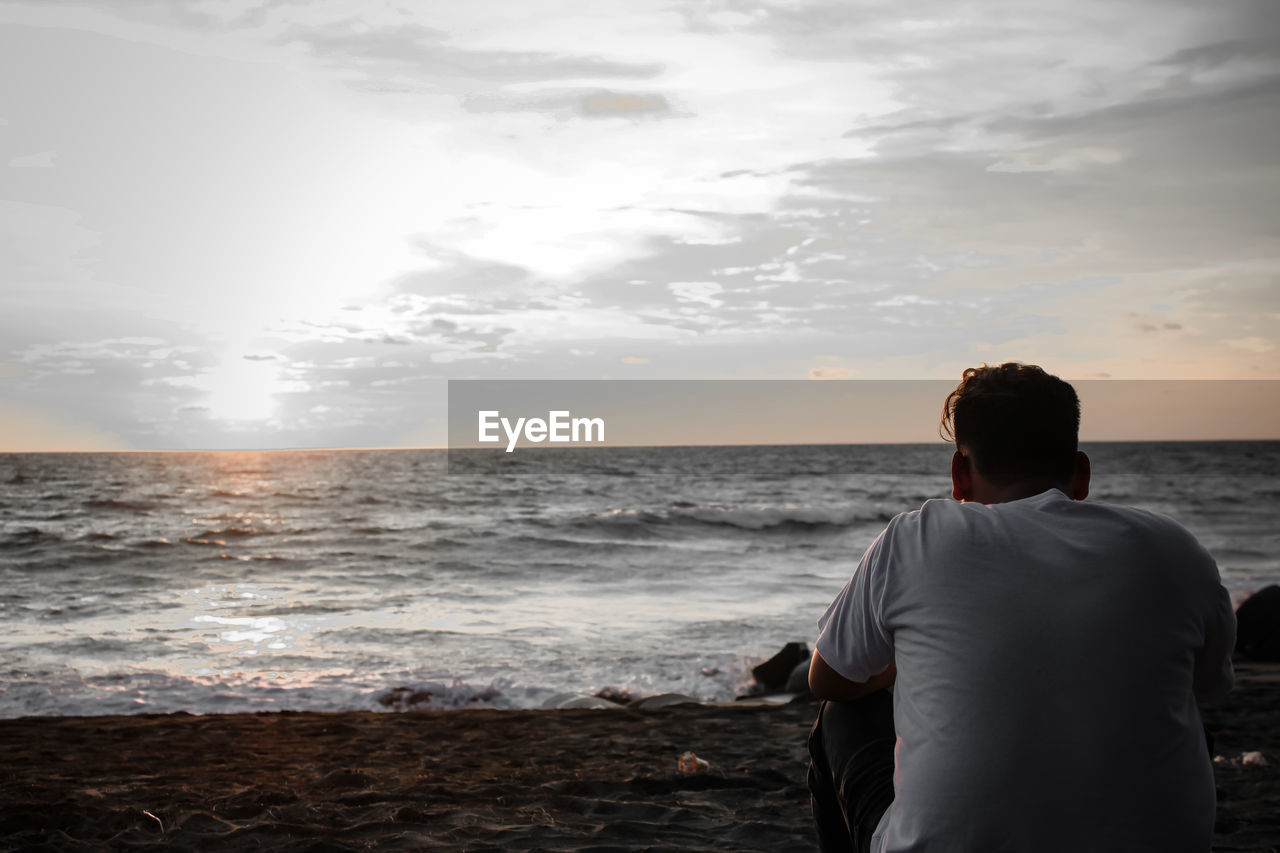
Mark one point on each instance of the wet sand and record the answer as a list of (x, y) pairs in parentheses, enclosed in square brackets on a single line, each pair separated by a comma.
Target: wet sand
[(477, 780)]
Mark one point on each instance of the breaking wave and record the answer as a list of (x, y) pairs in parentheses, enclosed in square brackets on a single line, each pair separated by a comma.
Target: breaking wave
[(782, 517)]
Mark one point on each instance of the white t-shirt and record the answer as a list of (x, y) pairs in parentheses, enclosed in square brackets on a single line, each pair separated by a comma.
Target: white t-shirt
[(1049, 653)]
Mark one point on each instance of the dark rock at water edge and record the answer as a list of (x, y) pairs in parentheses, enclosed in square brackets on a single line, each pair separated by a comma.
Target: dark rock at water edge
[(1258, 625), (405, 698), (662, 700), (774, 673), (798, 681), (614, 694)]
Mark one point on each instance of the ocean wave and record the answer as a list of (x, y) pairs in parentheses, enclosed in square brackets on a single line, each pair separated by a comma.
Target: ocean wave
[(381, 635), (92, 646), (253, 558), (1227, 553), (448, 542), (783, 517), (150, 691), (121, 505), (28, 536), (438, 696), (227, 493), (567, 542), (231, 532), (304, 608), (302, 497), (66, 559)]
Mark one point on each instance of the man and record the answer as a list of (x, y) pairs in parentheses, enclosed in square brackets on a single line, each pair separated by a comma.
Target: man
[(1045, 655)]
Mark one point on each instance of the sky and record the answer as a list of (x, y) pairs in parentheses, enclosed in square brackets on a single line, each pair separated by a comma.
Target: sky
[(802, 411), (287, 224)]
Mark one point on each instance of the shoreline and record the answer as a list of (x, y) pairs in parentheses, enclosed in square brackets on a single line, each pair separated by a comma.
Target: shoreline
[(486, 779)]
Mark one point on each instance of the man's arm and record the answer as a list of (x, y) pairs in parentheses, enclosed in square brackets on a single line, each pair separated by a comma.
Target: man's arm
[(826, 683), (852, 636), (1213, 675)]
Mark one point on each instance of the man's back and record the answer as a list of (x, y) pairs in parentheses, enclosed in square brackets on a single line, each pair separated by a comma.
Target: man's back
[(1046, 655)]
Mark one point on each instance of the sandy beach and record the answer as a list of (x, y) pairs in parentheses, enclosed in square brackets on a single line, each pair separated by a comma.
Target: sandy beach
[(582, 780)]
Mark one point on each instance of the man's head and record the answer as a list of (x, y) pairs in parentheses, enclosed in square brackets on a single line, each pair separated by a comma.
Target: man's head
[(1015, 429)]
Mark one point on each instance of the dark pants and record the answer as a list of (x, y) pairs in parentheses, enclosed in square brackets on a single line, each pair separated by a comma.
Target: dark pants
[(851, 770)]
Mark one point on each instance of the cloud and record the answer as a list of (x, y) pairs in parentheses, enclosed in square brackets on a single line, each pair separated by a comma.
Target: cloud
[(417, 58), (41, 160), (576, 103), (85, 381), (1259, 49), (605, 104), (831, 373), (1137, 215), (728, 187), (703, 292), (38, 429), (1154, 327), (1067, 160), (43, 246), (1251, 344), (1243, 288)]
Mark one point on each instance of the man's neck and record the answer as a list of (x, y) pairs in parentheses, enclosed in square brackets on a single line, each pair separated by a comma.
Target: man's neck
[(968, 484), (991, 493)]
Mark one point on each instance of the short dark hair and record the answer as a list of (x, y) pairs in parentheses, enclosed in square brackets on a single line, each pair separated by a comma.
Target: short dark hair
[(1015, 421)]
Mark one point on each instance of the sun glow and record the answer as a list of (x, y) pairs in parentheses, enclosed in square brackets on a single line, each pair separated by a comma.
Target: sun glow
[(243, 390)]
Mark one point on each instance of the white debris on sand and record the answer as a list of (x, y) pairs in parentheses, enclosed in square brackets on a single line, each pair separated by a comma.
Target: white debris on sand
[(1244, 759)]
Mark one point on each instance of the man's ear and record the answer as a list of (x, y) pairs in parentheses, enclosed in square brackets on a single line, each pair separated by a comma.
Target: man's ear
[(1080, 477), (961, 477)]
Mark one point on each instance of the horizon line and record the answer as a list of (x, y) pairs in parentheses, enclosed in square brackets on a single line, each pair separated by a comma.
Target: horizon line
[(582, 446)]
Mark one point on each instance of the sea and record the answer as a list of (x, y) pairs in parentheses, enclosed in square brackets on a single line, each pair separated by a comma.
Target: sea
[(393, 580)]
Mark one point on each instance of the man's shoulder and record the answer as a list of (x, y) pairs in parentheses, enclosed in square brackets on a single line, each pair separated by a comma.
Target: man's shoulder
[(939, 515), (937, 520), (1126, 529), (914, 517), (933, 507), (1150, 520)]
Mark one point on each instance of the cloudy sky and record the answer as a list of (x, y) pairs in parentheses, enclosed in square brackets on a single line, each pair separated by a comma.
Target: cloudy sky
[(285, 223)]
